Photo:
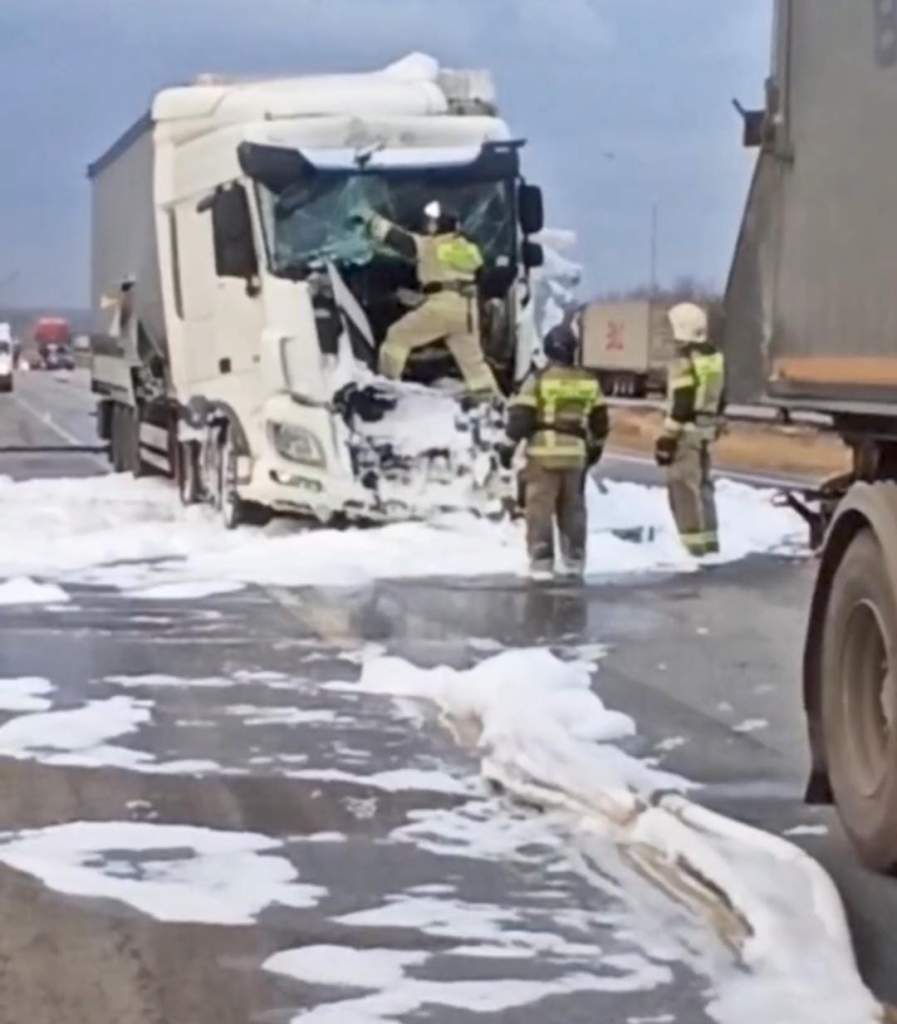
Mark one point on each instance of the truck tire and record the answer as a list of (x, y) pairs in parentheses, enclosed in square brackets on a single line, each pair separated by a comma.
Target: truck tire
[(188, 472), (131, 430), (117, 450), (859, 700)]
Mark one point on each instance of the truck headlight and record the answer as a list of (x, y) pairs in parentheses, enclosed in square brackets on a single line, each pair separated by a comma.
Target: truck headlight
[(296, 444)]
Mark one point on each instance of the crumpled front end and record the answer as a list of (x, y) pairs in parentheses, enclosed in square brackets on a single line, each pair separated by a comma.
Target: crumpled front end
[(421, 452)]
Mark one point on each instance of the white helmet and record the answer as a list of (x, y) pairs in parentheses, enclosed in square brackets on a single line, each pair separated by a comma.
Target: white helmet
[(433, 210), (689, 323)]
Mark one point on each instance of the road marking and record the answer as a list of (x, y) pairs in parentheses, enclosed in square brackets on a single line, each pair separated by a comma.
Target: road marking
[(46, 420)]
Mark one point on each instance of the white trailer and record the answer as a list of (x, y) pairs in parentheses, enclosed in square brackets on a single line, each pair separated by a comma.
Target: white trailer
[(241, 306), (629, 344)]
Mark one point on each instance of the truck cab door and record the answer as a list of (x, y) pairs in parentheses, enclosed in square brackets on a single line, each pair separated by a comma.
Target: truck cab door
[(197, 293), (239, 315)]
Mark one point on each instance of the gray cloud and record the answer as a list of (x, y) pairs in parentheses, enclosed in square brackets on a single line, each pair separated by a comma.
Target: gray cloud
[(648, 80)]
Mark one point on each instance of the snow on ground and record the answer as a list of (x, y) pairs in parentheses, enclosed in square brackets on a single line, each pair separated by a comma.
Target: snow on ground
[(170, 872), (546, 738), (135, 536)]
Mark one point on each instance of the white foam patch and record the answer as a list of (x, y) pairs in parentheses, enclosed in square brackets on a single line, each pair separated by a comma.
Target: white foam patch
[(252, 715), (550, 741), (156, 681), (807, 830), (25, 591), (395, 993), (79, 736), (134, 535), (751, 725), (169, 872), (397, 781), (27, 693), (187, 591)]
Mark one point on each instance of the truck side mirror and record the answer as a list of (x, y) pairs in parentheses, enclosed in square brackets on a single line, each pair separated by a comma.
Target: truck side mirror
[(235, 254), (533, 255), (755, 126), (532, 209)]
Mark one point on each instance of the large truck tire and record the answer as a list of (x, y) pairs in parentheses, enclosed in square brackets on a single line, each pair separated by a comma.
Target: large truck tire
[(859, 699), (188, 477), (131, 428), (117, 450)]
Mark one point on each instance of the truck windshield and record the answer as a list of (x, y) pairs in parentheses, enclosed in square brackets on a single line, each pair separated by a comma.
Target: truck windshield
[(316, 220)]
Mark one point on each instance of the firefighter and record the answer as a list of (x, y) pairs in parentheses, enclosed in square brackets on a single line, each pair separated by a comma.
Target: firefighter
[(694, 420), (562, 415), (447, 268)]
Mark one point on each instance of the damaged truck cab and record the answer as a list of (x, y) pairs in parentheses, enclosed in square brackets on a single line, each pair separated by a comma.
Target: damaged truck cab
[(243, 303)]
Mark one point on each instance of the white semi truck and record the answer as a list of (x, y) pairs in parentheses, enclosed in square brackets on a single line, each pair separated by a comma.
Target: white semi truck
[(241, 303)]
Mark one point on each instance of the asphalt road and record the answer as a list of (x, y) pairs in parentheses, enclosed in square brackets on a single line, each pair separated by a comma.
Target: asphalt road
[(372, 860)]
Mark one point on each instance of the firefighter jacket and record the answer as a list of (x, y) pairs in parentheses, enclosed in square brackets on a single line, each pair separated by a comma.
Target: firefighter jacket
[(562, 415), (696, 401)]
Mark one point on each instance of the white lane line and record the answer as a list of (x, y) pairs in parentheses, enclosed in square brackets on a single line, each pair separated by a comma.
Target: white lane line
[(748, 478), (47, 420)]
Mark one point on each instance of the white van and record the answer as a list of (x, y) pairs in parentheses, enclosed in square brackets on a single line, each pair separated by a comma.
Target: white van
[(6, 358)]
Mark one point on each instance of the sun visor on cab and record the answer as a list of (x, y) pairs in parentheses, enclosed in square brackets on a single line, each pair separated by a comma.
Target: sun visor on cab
[(278, 167)]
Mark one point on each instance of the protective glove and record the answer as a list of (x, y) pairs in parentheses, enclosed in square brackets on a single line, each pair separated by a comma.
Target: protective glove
[(594, 454), (665, 450), (505, 454)]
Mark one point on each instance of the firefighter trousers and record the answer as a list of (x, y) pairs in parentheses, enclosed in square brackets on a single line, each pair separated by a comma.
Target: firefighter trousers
[(555, 495), (692, 497), (442, 317)]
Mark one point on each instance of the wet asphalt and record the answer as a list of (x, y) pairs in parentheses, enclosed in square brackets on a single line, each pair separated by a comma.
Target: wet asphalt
[(691, 658)]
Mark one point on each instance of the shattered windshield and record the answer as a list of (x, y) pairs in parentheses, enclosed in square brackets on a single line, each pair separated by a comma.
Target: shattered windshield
[(316, 220)]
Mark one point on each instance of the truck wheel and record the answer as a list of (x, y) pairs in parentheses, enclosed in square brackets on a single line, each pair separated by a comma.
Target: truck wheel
[(117, 441), (131, 429), (859, 700), (228, 501), (188, 472)]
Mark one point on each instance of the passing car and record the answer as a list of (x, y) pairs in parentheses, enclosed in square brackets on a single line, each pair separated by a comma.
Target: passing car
[(6, 367)]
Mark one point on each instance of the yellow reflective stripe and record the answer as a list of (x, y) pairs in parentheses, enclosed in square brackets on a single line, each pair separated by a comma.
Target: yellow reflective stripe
[(709, 373), (460, 255), (530, 401), (682, 382), (584, 391)]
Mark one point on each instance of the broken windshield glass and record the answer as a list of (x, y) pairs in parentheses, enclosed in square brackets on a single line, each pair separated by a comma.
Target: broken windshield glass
[(317, 220)]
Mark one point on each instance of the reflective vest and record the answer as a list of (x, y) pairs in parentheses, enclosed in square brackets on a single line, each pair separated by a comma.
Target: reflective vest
[(446, 259), (563, 399), (697, 383)]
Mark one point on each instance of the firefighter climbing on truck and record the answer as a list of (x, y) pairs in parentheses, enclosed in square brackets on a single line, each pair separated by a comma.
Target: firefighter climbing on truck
[(447, 265)]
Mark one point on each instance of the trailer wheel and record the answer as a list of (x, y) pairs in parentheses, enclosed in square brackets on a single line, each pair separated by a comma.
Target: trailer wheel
[(859, 700)]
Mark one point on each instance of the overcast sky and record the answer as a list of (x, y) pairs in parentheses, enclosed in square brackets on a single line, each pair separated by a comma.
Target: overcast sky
[(624, 103)]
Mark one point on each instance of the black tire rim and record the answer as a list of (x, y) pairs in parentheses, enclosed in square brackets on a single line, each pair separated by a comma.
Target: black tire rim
[(866, 693)]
